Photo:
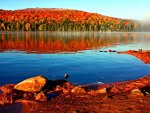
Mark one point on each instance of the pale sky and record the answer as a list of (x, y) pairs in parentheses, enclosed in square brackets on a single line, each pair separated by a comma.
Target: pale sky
[(130, 9)]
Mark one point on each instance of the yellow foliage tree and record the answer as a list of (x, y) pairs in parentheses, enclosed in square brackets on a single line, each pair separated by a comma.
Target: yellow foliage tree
[(27, 26)]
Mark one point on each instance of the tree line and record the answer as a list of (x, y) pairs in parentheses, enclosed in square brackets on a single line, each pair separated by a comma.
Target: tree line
[(62, 20)]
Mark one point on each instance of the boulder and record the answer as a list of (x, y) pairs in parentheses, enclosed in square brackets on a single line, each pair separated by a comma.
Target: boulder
[(34, 84)]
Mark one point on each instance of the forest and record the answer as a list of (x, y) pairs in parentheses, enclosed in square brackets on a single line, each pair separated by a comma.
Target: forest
[(45, 19)]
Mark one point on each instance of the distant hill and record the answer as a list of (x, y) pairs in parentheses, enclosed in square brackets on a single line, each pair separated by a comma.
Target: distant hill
[(57, 19)]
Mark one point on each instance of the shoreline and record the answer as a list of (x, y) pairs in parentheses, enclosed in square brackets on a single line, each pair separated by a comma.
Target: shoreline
[(120, 97), (143, 55)]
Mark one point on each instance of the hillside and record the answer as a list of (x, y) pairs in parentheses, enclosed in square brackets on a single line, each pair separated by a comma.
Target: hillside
[(53, 19)]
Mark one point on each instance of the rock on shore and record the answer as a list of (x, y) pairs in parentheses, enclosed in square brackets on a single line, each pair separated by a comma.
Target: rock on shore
[(34, 84)]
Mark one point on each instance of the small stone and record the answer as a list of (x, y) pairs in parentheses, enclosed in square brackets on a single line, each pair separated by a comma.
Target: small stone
[(103, 90), (65, 91), (137, 92), (110, 50), (145, 90), (28, 96), (93, 93), (78, 90), (141, 100), (34, 84), (113, 90), (41, 97), (58, 88), (73, 112)]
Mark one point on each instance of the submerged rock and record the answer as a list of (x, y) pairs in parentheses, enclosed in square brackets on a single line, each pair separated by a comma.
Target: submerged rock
[(112, 51), (34, 84), (66, 76)]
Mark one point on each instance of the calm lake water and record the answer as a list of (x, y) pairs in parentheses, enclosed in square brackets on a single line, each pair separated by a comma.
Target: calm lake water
[(25, 54)]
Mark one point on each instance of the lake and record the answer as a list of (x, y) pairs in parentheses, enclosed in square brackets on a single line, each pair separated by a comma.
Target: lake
[(52, 54)]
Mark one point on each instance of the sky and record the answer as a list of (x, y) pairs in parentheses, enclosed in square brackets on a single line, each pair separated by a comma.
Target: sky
[(128, 9)]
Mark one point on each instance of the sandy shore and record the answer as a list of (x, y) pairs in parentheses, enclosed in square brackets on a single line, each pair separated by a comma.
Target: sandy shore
[(119, 99)]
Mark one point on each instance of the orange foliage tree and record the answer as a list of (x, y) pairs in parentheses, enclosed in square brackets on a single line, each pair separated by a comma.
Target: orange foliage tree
[(62, 20)]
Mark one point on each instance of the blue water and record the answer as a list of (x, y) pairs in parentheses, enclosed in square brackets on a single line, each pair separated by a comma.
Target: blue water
[(83, 66)]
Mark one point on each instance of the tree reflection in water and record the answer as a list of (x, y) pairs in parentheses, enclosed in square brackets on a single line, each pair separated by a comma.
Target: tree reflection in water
[(54, 42)]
